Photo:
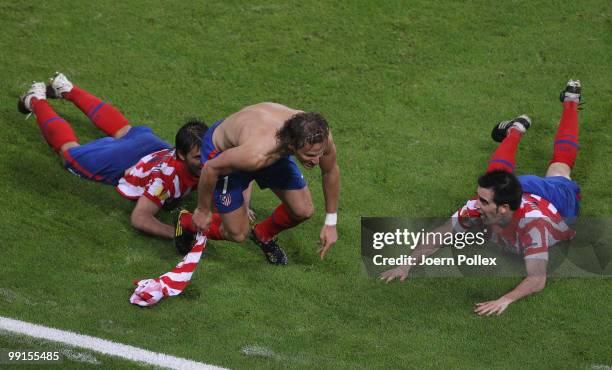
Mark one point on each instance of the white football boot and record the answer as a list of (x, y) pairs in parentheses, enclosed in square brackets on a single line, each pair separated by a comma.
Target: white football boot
[(58, 85), (572, 92), (38, 91)]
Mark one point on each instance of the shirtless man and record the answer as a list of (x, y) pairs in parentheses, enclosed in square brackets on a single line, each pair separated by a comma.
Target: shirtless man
[(258, 143)]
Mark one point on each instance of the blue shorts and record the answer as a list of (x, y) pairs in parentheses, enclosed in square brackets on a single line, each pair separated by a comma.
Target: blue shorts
[(106, 159), (283, 174), (562, 192)]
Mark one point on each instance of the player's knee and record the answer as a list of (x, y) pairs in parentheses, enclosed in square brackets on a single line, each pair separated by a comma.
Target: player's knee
[(239, 237), (136, 221), (122, 131), (559, 169), (304, 213)]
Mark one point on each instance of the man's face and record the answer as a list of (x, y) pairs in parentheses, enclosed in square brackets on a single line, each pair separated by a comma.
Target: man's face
[(310, 154), (491, 212), (192, 159)]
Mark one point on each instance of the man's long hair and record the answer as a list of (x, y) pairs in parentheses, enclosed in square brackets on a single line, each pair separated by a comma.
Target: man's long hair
[(302, 129), (506, 188)]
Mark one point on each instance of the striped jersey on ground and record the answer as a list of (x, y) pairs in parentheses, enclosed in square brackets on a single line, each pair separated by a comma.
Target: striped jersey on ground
[(535, 226), (150, 291), (159, 176)]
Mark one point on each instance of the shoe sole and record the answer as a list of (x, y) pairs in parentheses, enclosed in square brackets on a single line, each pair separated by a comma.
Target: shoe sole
[(498, 135), (572, 89), (51, 93), (22, 108)]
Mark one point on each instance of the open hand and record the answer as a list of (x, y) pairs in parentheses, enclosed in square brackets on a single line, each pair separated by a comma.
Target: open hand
[(400, 272), (497, 307)]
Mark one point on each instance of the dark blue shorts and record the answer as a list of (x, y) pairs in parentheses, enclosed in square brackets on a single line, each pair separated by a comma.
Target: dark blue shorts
[(207, 150), (562, 192), (283, 174), (106, 159)]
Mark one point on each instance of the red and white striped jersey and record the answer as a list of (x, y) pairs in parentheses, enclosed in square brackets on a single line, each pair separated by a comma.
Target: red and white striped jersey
[(172, 283), (535, 226), (159, 176)]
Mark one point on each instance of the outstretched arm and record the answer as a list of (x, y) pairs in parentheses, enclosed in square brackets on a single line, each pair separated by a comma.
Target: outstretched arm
[(401, 272), (330, 173), (143, 219), (533, 283)]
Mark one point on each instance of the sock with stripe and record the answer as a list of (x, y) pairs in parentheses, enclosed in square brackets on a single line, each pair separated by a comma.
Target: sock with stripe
[(55, 129), (565, 148), (106, 117), (270, 227), (504, 156), (214, 230)]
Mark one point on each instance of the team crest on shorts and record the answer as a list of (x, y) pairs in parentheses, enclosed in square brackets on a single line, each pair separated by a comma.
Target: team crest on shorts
[(226, 199)]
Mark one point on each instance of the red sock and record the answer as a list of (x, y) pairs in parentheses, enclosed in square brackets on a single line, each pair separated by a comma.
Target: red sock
[(185, 221), (212, 233), (106, 117), (566, 146), (54, 128), (504, 156), (270, 227)]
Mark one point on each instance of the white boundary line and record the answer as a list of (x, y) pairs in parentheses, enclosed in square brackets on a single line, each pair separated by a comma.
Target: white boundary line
[(101, 345)]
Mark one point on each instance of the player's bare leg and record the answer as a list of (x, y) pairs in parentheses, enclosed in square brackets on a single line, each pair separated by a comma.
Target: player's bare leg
[(559, 169), (185, 232), (295, 208), (234, 225), (298, 203), (566, 139), (65, 147)]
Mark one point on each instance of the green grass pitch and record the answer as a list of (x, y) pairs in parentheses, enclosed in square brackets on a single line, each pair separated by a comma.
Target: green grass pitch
[(411, 90)]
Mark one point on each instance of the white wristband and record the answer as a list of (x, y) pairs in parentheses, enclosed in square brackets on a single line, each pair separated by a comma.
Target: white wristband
[(331, 219)]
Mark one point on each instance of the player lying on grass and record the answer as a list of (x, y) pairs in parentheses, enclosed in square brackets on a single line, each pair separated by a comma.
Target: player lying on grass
[(255, 144), (527, 214), (140, 165)]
